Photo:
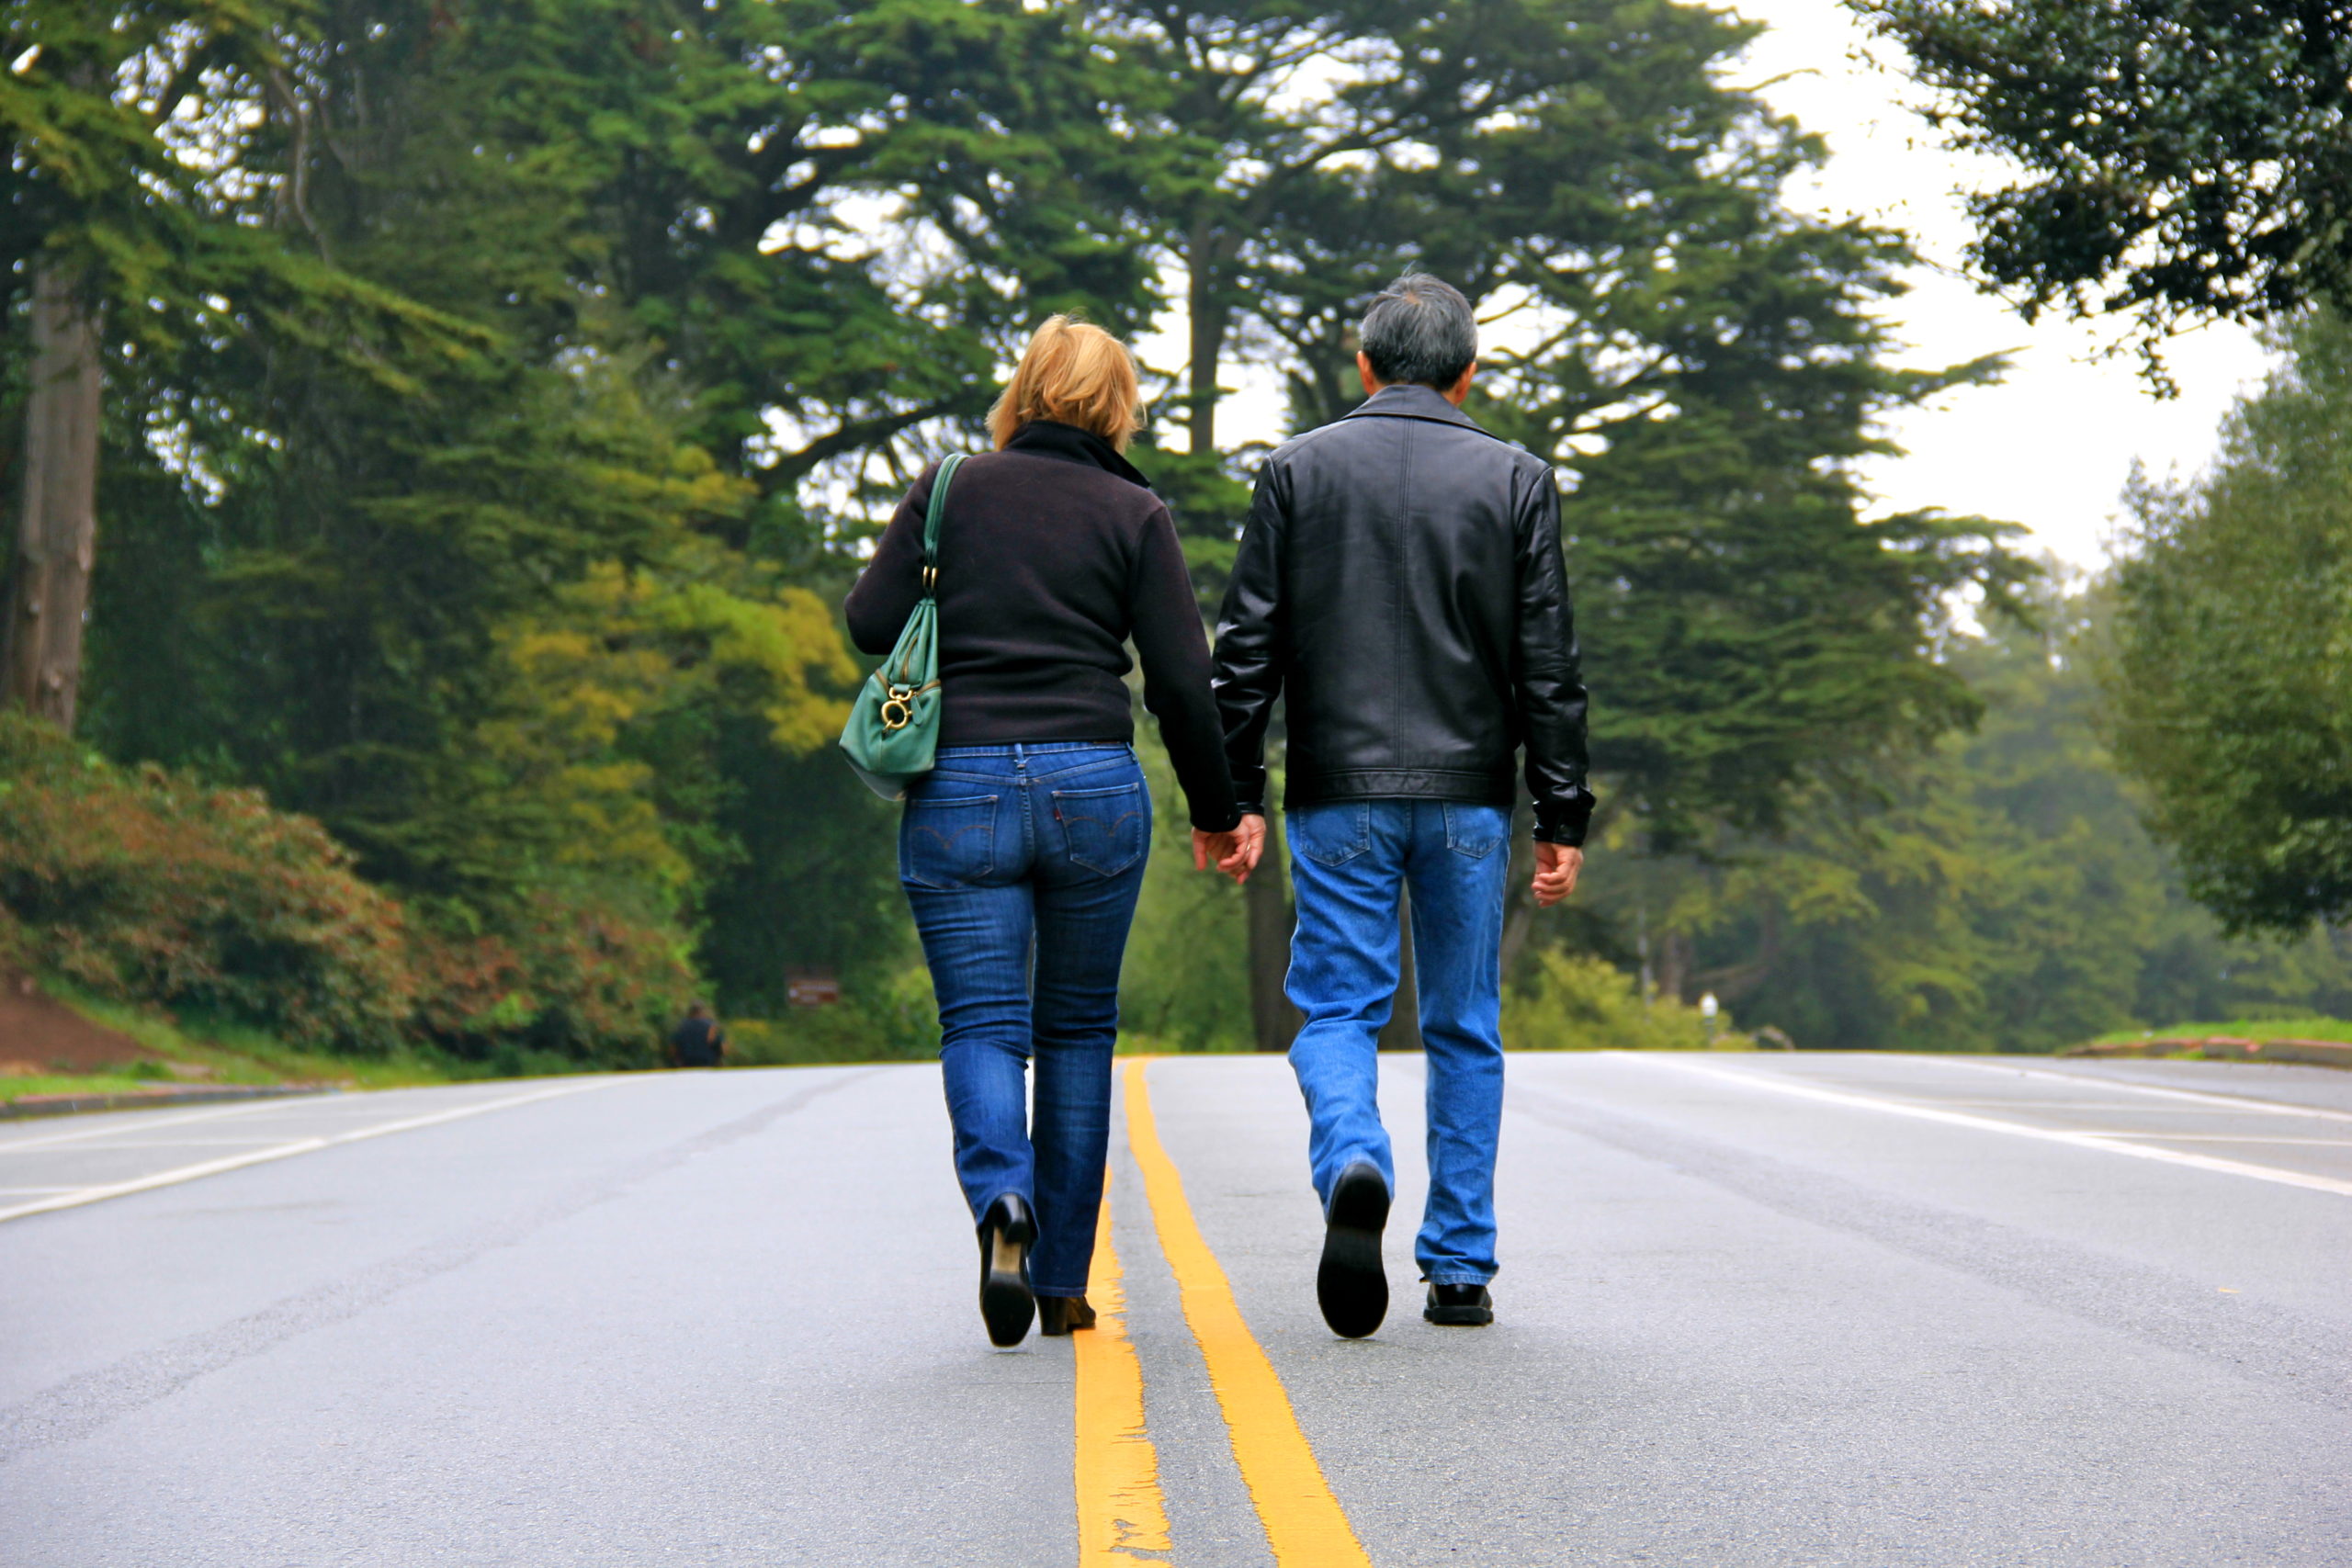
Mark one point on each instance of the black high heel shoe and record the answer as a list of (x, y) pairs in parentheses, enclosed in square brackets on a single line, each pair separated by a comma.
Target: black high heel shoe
[(1006, 1304), (1057, 1315)]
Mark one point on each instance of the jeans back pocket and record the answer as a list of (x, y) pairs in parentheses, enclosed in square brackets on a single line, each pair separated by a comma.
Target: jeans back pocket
[(947, 842), (1330, 834), (1475, 830), (1107, 828)]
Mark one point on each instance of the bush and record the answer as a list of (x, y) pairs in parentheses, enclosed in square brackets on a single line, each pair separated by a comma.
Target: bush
[(1575, 1001), (576, 979), (144, 886), (897, 1021)]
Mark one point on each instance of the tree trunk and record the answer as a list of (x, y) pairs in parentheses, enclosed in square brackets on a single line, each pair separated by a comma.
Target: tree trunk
[(1403, 1030), (1519, 899), (1272, 1019), (1674, 966), (1209, 319), (48, 588)]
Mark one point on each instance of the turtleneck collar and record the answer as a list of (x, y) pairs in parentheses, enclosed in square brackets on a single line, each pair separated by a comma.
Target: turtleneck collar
[(1049, 438)]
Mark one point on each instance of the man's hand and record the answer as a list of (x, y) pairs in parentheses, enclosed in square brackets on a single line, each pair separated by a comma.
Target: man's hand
[(1556, 873), (1235, 854)]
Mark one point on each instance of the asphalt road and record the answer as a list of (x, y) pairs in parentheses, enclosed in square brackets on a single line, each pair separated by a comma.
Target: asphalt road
[(1755, 1310)]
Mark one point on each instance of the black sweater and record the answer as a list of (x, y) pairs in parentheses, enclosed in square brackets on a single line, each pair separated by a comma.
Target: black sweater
[(1052, 554)]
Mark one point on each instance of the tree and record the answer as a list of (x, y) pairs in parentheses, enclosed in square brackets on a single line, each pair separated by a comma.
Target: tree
[(1998, 893), (132, 228), (1698, 361), (538, 623), (2180, 158), (2229, 683)]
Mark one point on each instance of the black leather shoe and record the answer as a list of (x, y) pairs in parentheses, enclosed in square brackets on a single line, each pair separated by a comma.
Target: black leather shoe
[(1006, 1306), (1462, 1306), (1350, 1286), (1057, 1315)]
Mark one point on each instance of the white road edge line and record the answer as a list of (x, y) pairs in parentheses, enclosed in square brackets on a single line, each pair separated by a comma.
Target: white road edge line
[(2235, 1101), (1988, 1125), (79, 1196), (180, 1119)]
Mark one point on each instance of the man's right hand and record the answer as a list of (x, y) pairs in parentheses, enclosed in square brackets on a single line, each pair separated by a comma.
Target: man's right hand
[(1557, 866)]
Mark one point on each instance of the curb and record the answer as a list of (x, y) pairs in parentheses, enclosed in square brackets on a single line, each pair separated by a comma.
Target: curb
[(2229, 1048), (34, 1105)]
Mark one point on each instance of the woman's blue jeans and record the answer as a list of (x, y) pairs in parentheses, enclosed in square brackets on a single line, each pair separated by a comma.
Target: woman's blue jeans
[(1023, 864)]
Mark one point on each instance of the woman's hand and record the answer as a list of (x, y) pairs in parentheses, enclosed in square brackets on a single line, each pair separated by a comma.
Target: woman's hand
[(1235, 854)]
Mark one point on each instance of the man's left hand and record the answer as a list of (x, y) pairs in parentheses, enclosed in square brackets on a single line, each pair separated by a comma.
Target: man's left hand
[(1557, 866)]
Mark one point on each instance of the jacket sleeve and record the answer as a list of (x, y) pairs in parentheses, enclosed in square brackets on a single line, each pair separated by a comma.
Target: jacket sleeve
[(1546, 681), (1251, 638), (888, 589), (1165, 616)]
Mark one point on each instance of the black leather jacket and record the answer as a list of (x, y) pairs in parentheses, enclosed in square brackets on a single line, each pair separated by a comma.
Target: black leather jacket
[(1400, 585)]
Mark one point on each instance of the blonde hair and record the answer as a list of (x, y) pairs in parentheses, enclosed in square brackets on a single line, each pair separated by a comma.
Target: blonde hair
[(1073, 373)]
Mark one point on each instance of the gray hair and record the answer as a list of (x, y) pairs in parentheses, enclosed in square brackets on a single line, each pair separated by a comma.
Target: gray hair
[(1419, 328)]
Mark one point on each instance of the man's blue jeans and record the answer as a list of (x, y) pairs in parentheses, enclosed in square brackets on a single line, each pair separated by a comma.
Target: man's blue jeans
[(1023, 864), (1348, 860)]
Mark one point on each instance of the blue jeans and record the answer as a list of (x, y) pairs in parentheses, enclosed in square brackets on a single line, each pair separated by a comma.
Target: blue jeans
[(1348, 860), (1023, 864)]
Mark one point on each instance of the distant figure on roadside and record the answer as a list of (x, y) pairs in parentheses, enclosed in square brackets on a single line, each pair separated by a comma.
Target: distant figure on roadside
[(698, 1041), (1400, 580), (1023, 852)]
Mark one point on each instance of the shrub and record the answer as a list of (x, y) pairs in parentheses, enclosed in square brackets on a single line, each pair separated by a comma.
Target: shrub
[(576, 979), (145, 886), (893, 1021), (1573, 1001)]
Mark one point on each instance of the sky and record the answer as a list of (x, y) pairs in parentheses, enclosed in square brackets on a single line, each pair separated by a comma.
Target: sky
[(2051, 446)]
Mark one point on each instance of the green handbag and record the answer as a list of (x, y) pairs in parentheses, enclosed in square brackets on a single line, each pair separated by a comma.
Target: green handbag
[(893, 728)]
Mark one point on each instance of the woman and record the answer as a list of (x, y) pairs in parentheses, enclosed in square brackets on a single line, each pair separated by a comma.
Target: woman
[(1023, 851)]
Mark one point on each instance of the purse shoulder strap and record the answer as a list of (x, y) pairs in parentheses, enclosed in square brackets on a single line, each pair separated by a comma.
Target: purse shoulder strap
[(939, 483)]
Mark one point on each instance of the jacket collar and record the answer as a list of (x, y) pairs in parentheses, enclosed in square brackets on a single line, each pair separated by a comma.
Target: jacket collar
[(1410, 399), (1047, 438)]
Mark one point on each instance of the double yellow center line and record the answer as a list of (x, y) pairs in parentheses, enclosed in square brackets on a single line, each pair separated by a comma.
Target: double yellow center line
[(1121, 1513)]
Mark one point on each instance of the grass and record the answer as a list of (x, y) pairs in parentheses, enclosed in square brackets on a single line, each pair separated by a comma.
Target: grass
[(241, 1054), (16, 1089), (2241, 1029), (232, 1052)]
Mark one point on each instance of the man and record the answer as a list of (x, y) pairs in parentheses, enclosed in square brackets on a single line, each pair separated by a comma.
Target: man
[(699, 1041), (1400, 584)]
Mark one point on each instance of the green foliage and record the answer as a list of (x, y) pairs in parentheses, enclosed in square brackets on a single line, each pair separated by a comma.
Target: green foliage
[(146, 886), (1569, 1001), (893, 1018), (230, 1051), (1999, 895), (498, 401), (2177, 156), (2231, 672), (532, 615), (134, 132), (1186, 984), (2265, 1028), (1700, 362)]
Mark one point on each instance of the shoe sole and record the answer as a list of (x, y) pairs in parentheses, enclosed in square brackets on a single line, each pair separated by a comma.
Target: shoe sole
[(1460, 1317), (1006, 1304), (1351, 1285)]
